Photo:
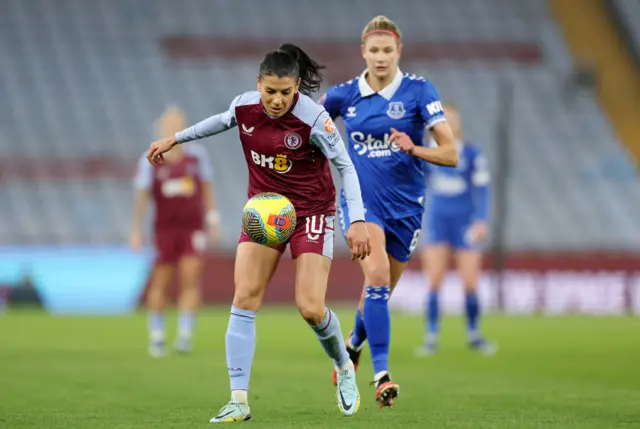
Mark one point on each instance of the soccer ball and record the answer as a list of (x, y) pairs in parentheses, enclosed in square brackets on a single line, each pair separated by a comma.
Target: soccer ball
[(269, 218)]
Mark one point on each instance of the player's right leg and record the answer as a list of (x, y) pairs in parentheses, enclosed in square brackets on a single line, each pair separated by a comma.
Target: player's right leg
[(435, 263), (161, 279), (312, 251), (189, 268), (156, 303), (254, 267), (376, 316), (357, 337)]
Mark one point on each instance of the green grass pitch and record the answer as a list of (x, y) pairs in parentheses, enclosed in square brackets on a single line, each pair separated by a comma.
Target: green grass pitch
[(93, 372)]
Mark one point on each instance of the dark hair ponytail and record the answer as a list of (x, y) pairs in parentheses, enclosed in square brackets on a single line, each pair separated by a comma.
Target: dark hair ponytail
[(290, 60)]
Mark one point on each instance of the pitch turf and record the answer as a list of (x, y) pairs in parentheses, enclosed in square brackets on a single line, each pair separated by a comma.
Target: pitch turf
[(89, 372)]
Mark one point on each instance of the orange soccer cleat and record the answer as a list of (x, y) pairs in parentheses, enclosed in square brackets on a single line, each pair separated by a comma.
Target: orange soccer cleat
[(386, 391)]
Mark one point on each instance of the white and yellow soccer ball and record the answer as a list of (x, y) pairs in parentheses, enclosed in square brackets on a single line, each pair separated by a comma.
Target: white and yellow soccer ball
[(269, 218)]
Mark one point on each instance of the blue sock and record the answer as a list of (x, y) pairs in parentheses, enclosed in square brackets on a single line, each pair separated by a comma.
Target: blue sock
[(359, 333), (473, 313), (155, 323), (377, 322), (330, 335), (241, 346), (433, 314), (186, 321)]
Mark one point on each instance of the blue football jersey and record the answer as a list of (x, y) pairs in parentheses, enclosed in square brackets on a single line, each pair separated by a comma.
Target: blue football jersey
[(461, 191), (392, 182)]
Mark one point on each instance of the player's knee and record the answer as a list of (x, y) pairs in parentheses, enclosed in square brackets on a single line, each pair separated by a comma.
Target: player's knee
[(311, 311), (379, 276), (435, 285), (189, 285), (247, 297), (470, 285)]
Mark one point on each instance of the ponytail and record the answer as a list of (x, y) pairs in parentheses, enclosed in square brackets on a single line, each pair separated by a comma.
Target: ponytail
[(289, 60)]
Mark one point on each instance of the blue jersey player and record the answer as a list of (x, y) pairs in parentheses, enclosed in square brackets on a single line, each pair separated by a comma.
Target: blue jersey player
[(456, 222), (386, 113)]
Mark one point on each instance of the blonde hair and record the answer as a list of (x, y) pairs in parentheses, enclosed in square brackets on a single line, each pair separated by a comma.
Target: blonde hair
[(170, 113), (381, 25)]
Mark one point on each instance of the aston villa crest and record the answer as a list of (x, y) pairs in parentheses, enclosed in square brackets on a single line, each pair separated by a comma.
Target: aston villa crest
[(396, 110)]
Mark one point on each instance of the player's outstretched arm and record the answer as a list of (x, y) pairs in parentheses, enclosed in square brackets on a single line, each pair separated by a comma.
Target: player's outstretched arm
[(209, 127)]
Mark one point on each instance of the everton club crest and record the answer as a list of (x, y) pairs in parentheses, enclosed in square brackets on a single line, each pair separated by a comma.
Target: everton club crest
[(396, 110)]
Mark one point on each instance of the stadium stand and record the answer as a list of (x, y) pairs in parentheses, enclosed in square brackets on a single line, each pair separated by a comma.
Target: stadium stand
[(80, 85), (628, 12)]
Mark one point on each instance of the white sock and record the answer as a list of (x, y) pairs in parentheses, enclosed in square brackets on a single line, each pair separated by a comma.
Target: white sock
[(473, 335), (431, 338), (379, 375), (239, 396)]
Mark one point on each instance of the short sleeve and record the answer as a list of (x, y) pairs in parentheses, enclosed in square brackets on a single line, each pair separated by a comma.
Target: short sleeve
[(144, 175), (332, 102), (431, 108), (326, 137)]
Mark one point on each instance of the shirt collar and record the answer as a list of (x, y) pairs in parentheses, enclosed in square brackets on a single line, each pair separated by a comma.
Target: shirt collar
[(387, 92)]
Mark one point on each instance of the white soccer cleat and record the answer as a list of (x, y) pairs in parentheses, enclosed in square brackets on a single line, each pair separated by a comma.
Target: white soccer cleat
[(183, 345), (347, 392), (157, 349), (232, 412)]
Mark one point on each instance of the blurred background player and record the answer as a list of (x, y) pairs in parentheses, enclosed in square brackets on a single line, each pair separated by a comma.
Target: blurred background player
[(385, 111), (288, 140), (182, 192), (457, 224)]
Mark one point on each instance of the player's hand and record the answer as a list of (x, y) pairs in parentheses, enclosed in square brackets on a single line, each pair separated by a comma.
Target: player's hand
[(358, 239), (402, 140), (478, 231), (158, 147), (135, 241)]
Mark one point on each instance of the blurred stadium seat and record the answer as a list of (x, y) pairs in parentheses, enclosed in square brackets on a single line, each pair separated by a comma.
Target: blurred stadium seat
[(85, 81), (629, 13)]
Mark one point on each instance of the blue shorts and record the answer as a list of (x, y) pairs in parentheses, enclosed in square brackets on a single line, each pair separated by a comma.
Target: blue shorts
[(451, 231), (402, 235)]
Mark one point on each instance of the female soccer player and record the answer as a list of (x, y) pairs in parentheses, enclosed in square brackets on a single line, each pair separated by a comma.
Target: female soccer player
[(183, 194), (288, 140), (456, 222), (385, 113)]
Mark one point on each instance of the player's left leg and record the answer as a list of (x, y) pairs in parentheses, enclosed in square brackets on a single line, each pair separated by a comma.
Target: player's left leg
[(435, 264), (400, 239), (469, 262), (190, 270), (376, 273), (468, 255), (312, 250)]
